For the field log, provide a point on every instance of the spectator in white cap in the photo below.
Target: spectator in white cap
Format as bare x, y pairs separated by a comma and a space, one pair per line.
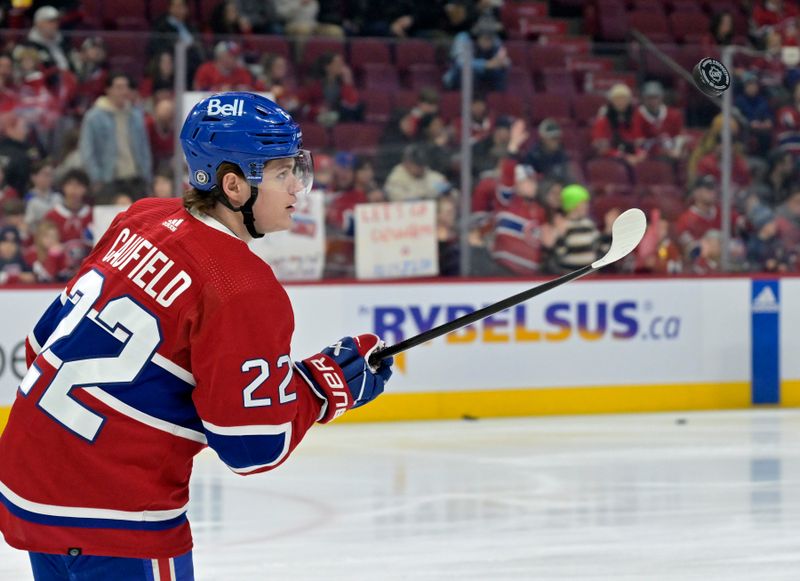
45, 36
658, 128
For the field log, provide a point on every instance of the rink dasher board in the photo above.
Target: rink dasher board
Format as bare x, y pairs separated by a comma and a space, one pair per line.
599, 345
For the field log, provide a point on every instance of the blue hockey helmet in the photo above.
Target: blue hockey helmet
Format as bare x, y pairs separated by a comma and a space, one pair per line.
245, 129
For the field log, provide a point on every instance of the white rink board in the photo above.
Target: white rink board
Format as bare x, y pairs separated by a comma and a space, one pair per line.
708, 320
790, 321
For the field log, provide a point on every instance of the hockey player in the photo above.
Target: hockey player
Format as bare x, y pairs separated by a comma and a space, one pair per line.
173, 336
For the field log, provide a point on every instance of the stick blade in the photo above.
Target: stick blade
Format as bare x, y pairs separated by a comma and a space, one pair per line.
626, 233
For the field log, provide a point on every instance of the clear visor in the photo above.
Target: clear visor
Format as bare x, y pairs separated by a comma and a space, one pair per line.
304, 171
301, 178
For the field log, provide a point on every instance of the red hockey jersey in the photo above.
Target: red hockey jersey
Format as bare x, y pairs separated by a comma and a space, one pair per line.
171, 337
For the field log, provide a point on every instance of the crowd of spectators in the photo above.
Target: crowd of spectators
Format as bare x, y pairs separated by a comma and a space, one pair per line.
76, 131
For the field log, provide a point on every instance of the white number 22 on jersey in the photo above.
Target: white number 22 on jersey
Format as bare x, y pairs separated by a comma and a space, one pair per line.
128, 322
263, 366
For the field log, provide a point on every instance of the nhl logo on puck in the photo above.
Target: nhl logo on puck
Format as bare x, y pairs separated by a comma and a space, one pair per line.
711, 77
201, 177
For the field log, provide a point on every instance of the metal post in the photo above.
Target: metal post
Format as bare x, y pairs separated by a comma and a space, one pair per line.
181, 48
466, 155
726, 164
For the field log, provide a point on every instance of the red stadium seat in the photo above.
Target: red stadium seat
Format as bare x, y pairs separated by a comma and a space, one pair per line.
414, 52
506, 104
381, 77
518, 52
450, 104
124, 15
545, 105
257, 45
542, 56
605, 170
315, 136
653, 171
365, 51
688, 23
424, 75
316, 47
653, 25
586, 107
613, 26
359, 138
378, 106
559, 81
519, 82
515, 15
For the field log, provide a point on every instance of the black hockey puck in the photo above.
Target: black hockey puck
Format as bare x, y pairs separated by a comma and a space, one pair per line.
711, 77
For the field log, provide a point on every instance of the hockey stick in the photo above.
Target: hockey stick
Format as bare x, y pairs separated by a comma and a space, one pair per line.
626, 233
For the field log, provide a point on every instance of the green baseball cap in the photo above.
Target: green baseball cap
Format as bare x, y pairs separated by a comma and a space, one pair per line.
572, 195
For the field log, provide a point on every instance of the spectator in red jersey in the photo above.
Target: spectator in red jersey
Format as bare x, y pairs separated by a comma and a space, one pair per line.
703, 215
770, 15
658, 128
710, 164
323, 173
8, 86
612, 132
161, 131
13, 268
225, 73
331, 96
788, 123
519, 226
481, 121
91, 69
46, 258
159, 77
340, 212
658, 253
35, 100
73, 216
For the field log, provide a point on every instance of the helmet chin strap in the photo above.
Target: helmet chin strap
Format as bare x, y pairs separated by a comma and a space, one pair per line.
246, 209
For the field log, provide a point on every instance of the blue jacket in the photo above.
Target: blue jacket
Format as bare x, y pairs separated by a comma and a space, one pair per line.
98, 142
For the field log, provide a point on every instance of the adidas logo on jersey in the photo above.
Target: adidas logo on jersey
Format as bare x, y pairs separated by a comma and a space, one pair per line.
235, 109
172, 224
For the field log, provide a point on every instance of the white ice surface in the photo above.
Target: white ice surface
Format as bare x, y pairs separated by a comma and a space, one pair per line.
634, 497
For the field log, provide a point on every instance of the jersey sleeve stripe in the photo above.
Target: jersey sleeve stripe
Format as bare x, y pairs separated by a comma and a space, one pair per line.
144, 418
36, 512
248, 448
174, 369
34, 343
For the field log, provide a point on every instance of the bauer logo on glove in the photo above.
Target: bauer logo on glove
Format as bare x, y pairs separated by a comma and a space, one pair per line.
341, 377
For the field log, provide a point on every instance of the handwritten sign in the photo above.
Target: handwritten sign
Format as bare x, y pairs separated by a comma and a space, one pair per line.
299, 253
396, 240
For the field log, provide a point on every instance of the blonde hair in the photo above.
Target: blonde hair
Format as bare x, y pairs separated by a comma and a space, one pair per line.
202, 201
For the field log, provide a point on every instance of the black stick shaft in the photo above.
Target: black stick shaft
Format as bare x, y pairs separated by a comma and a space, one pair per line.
445, 328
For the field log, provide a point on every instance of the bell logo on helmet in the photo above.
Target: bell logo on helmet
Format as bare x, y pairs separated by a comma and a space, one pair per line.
235, 109
201, 177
